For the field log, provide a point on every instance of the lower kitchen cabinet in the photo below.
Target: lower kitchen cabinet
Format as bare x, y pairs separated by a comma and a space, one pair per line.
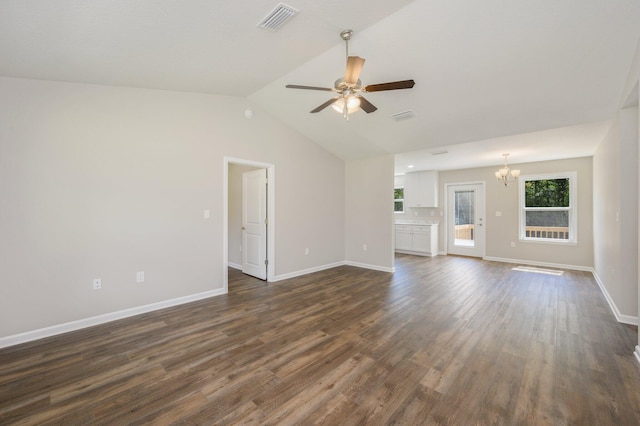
417, 239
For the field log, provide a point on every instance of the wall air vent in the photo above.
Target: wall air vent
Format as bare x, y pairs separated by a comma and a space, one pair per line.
404, 115
278, 17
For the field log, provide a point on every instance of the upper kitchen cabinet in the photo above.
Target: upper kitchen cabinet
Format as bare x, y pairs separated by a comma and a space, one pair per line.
421, 189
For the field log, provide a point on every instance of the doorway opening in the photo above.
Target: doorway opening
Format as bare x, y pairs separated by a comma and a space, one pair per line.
234, 237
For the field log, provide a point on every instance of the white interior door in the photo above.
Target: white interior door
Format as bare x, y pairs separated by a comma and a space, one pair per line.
254, 223
465, 219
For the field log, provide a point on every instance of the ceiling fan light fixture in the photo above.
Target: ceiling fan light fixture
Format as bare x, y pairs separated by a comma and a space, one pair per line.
352, 102
338, 106
349, 87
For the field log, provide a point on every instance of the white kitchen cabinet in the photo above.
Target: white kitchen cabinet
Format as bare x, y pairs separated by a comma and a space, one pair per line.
404, 237
421, 189
417, 239
421, 239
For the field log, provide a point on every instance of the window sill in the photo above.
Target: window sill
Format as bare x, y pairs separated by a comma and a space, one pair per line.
549, 241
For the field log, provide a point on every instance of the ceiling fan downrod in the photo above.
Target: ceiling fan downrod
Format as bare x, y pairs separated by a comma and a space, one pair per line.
346, 36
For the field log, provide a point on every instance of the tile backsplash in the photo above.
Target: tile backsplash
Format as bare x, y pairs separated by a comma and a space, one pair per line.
419, 214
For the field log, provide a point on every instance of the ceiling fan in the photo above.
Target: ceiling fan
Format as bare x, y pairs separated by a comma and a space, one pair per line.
349, 88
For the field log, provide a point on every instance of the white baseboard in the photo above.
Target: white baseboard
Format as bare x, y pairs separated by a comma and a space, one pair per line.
234, 266
101, 319
329, 266
373, 267
306, 271
637, 353
625, 319
545, 264
416, 253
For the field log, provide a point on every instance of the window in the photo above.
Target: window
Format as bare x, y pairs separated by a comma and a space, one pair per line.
548, 208
398, 200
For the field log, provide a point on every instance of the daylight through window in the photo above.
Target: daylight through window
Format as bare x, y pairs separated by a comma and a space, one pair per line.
398, 198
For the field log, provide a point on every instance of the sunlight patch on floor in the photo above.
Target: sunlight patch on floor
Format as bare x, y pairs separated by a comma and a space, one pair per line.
537, 270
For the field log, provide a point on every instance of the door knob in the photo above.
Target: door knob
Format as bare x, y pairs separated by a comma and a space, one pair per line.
243, 228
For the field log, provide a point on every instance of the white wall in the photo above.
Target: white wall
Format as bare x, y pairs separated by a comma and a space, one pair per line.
502, 230
606, 230
369, 212
616, 199
100, 181
616, 213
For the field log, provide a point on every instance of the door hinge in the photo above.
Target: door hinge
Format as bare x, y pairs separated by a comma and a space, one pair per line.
266, 262
266, 221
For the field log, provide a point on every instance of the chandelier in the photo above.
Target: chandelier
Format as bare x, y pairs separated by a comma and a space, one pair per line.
505, 175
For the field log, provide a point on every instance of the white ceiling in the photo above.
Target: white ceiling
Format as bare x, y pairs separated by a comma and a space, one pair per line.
536, 79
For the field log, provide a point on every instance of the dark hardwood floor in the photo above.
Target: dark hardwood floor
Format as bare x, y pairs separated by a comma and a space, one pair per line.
445, 340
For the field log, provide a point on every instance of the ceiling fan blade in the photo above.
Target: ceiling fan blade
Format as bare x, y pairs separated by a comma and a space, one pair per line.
324, 105
354, 67
367, 106
404, 84
296, 86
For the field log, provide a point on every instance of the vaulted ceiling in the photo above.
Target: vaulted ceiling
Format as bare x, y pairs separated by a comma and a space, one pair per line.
537, 79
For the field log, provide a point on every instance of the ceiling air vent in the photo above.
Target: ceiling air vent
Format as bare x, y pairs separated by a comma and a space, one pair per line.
404, 115
278, 17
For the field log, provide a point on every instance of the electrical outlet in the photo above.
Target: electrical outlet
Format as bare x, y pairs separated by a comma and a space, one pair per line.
97, 283
364, 247
513, 243
306, 251
140, 277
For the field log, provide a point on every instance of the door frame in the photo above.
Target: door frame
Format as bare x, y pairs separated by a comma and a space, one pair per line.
482, 183
271, 214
